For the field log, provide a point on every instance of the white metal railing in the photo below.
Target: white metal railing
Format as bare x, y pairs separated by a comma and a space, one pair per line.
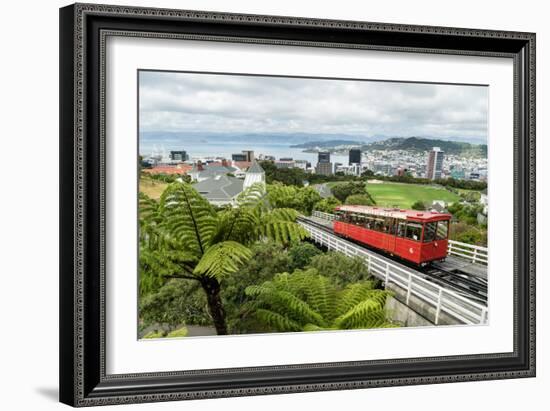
324, 216
440, 299
474, 253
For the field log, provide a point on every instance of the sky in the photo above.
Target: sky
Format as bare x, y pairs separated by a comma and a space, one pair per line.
191, 102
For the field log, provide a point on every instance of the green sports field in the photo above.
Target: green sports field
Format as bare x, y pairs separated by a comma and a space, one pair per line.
404, 195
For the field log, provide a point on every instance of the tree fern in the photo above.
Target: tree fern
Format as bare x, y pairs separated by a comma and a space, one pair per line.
311, 302
182, 236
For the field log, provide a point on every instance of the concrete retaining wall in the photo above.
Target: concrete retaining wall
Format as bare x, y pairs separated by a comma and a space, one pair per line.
417, 312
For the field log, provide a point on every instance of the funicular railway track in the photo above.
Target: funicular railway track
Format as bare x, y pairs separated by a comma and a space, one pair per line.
459, 281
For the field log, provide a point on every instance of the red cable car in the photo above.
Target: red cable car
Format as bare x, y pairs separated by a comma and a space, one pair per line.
415, 236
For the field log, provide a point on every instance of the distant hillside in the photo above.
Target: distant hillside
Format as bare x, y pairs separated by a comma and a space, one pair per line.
328, 143
175, 139
424, 144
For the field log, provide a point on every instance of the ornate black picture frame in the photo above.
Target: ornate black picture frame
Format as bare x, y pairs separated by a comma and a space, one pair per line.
83, 30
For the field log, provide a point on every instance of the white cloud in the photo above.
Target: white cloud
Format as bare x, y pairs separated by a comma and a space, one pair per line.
235, 103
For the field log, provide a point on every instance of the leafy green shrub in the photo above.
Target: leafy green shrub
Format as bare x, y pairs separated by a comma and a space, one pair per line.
301, 254
327, 205
302, 199
268, 258
344, 190
178, 302
465, 213
470, 234
340, 268
418, 205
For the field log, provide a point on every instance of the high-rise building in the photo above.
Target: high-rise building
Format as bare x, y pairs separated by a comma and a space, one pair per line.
180, 155
324, 156
435, 164
354, 156
324, 166
249, 155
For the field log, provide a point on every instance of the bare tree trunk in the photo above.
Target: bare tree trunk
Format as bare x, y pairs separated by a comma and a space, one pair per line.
211, 287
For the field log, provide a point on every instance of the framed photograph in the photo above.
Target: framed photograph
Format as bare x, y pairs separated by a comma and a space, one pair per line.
262, 204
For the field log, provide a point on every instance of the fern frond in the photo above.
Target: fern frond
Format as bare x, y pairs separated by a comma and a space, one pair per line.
188, 216
149, 209
283, 214
285, 302
280, 231
276, 321
236, 224
315, 303
321, 295
222, 258
254, 196
366, 314
354, 293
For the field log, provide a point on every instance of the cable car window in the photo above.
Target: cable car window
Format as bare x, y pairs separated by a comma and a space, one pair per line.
378, 224
429, 232
414, 231
388, 225
401, 228
442, 230
369, 223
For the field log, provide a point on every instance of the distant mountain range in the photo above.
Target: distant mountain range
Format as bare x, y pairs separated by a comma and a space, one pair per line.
168, 137
328, 143
296, 140
417, 144
312, 142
